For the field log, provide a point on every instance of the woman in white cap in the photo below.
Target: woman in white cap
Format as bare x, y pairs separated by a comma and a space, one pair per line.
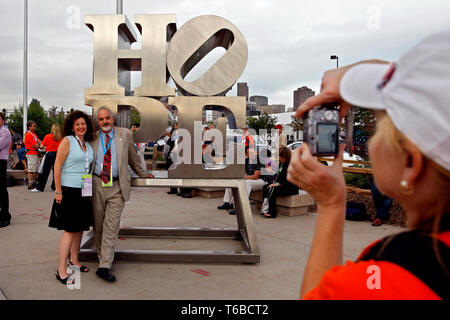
411, 163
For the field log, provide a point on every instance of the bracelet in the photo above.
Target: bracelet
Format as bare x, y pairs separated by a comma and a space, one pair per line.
58, 192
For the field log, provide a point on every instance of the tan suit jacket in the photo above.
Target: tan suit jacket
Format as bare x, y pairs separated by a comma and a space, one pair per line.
126, 155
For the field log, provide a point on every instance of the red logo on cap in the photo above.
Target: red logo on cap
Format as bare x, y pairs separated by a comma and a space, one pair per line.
387, 76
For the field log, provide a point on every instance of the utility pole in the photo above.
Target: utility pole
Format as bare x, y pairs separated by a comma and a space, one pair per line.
25, 68
123, 113
119, 6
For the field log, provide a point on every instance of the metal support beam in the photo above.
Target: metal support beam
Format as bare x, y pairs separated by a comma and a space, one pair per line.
245, 232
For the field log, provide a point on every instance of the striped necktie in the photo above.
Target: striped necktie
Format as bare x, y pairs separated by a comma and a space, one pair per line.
105, 175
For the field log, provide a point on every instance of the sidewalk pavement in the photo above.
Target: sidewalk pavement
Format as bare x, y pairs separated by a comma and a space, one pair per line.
29, 252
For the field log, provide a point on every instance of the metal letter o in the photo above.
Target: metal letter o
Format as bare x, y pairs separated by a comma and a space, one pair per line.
193, 41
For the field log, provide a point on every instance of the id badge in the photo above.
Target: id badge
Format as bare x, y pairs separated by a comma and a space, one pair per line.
109, 184
86, 185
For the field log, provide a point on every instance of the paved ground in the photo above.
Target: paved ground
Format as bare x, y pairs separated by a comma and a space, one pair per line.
29, 252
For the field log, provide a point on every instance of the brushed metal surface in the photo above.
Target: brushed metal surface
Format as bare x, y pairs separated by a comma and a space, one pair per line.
176, 256
245, 233
113, 61
193, 41
190, 110
114, 58
157, 30
180, 232
112, 33
194, 183
154, 115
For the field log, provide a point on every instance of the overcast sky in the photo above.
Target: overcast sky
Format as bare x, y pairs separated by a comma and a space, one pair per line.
289, 42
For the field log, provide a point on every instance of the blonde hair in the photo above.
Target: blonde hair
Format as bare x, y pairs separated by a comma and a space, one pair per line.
400, 143
56, 132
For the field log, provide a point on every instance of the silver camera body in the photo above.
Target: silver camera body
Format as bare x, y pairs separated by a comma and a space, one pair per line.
321, 130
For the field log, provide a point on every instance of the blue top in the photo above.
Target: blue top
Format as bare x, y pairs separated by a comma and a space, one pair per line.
21, 153
74, 166
101, 154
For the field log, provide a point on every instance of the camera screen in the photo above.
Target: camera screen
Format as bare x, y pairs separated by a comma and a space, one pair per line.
327, 136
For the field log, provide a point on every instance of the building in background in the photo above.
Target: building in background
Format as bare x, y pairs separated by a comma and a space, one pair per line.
242, 90
260, 100
251, 109
272, 108
255, 105
300, 95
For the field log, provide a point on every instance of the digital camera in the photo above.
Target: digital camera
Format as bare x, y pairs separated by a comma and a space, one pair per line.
321, 130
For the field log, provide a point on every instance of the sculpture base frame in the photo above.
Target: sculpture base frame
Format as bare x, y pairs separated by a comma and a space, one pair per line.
245, 232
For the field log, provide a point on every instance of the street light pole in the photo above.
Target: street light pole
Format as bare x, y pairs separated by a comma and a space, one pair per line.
123, 112
25, 68
119, 6
333, 57
349, 119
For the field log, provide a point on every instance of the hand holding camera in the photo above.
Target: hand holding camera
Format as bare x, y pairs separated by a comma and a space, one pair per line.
321, 130
325, 184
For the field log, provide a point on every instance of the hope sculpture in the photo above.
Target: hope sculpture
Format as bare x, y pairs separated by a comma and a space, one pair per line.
114, 60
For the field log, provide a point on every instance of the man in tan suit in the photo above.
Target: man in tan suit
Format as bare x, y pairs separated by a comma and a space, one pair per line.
113, 152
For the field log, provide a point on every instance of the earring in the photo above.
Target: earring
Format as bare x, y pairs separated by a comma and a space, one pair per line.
406, 188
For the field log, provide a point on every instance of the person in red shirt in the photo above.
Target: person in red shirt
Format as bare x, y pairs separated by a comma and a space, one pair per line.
50, 143
411, 164
247, 139
32, 144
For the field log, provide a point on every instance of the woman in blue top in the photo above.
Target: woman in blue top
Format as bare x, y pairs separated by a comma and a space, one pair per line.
72, 212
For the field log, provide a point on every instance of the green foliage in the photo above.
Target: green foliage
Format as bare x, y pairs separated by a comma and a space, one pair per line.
363, 129
209, 123
59, 118
44, 120
296, 124
357, 180
362, 181
15, 119
263, 121
37, 114
135, 116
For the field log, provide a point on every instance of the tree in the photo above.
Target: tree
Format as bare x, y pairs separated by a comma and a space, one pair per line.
37, 114
15, 119
135, 116
364, 128
59, 118
263, 121
296, 124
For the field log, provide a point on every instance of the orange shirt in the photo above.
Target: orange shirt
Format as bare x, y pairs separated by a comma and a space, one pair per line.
30, 140
51, 145
374, 280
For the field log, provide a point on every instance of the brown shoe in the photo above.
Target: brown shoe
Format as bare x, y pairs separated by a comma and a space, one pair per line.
377, 222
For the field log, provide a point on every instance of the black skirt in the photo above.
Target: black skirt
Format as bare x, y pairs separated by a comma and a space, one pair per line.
74, 213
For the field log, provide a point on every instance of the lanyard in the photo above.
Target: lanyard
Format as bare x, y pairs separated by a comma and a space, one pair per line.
86, 155
34, 136
103, 143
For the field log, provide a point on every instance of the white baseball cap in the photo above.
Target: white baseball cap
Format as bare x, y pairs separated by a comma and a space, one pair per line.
415, 93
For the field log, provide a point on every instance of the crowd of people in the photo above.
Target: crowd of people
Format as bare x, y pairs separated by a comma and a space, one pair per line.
409, 154
23, 154
91, 181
